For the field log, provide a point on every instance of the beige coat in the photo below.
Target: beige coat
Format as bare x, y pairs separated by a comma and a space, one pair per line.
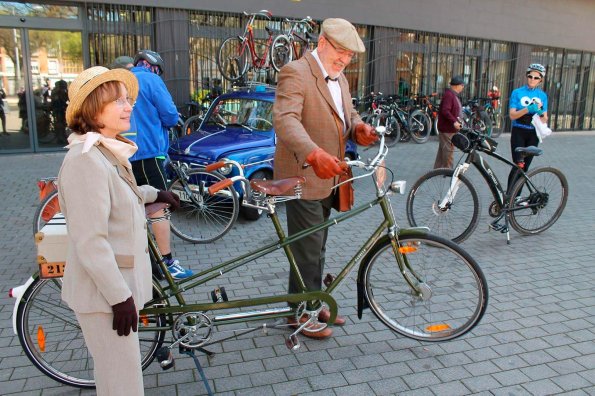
304, 118
107, 259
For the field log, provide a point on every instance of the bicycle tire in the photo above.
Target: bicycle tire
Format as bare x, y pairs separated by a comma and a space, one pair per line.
192, 124
454, 289
458, 221
487, 121
550, 200
394, 132
420, 126
281, 52
49, 207
207, 218
232, 59
497, 124
60, 353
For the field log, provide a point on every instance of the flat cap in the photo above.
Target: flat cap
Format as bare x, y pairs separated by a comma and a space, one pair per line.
457, 80
342, 33
121, 62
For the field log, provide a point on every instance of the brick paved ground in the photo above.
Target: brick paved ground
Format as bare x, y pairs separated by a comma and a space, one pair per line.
536, 338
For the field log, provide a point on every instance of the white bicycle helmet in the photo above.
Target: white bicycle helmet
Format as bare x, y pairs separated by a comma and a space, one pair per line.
536, 67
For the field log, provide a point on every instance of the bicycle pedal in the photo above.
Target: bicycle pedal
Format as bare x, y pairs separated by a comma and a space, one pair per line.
165, 358
292, 342
497, 227
219, 295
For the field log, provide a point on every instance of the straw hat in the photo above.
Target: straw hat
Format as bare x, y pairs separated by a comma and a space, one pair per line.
90, 79
343, 33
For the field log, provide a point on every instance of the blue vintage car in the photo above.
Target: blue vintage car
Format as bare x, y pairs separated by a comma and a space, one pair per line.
237, 126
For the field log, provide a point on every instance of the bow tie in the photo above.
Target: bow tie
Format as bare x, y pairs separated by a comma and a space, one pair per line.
328, 78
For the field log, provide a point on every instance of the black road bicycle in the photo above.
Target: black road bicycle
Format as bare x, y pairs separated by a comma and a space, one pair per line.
446, 201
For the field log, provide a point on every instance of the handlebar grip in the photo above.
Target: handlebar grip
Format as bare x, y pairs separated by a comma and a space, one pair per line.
214, 166
220, 185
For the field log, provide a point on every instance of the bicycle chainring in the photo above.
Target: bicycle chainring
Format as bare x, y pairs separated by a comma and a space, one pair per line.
192, 329
494, 210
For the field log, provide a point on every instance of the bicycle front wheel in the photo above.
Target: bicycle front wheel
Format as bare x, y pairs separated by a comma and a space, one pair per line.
450, 295
538, 205
52, 338
393, 129
420, 126
45, 211
281, 52
232, 59
451, 212
203, 218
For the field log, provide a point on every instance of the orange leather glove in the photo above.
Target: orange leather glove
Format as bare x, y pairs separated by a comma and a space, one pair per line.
324, 165
365, 135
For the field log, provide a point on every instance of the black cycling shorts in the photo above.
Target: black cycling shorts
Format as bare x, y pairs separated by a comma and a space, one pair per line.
150, 171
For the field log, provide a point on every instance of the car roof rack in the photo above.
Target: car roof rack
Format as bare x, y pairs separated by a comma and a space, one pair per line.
256, 87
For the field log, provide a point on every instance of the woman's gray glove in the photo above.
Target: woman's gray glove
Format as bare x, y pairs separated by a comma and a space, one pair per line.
125, 317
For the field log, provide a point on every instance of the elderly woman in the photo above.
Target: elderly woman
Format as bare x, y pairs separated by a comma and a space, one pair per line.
108, 272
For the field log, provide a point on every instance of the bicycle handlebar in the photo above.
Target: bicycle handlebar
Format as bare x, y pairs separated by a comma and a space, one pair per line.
220, 185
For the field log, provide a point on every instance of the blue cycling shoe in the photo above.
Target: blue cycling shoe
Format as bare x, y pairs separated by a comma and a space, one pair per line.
176, 270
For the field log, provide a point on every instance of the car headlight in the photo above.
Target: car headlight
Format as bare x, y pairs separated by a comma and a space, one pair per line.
226, 170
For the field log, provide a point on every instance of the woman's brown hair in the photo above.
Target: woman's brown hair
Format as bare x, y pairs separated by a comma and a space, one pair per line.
86, 119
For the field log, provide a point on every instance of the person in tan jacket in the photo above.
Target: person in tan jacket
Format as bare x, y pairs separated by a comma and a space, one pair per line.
107, 278
313, 118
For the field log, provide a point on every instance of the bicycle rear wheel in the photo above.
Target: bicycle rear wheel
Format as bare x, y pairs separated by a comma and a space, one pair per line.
232, 59
420, 126
52, 338
453, 292
203, 218
191, 124
497, 124
45, 211
534, 210
281, 52
453, 217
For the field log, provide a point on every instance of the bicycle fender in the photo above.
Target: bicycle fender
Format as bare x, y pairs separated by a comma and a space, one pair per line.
414, 231
18, 293
362, 300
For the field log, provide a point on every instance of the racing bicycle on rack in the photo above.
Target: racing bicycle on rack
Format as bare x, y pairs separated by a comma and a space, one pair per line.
237, 53
446, 201
419, 285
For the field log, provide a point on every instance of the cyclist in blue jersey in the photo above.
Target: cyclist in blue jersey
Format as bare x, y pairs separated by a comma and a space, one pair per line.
524, 103
153, 114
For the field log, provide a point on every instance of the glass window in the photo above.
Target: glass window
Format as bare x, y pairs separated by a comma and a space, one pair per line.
256, 115
38, 10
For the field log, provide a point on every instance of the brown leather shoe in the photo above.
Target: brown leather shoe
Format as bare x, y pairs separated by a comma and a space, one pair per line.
317, 335
325, 315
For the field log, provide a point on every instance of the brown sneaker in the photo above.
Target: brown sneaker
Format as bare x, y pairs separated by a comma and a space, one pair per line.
325, 315
317, 335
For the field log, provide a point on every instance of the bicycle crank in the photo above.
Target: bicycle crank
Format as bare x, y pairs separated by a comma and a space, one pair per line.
192, 330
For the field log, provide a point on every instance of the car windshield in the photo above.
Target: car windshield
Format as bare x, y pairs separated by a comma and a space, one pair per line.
255, 115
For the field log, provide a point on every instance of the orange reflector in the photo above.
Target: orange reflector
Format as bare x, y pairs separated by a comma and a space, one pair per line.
41, 339
437, 327
144, 319
407, 249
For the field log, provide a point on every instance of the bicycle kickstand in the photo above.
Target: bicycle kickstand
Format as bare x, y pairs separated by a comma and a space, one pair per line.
205, 381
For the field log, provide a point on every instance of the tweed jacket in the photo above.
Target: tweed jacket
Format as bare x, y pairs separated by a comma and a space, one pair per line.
304, 116
107, 259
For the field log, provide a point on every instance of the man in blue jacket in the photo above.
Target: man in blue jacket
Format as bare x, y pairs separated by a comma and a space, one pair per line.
154, 112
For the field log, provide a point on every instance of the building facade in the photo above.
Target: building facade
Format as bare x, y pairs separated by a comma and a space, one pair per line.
413, 47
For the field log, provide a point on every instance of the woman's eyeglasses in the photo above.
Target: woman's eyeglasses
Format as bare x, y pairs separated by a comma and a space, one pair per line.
530, 77
122, 102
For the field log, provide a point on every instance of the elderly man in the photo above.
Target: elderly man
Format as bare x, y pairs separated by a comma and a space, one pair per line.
313, 118
448, 122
